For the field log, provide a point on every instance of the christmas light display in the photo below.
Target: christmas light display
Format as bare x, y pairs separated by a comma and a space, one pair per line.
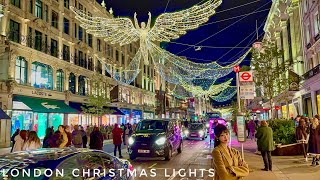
167, 26
225, 95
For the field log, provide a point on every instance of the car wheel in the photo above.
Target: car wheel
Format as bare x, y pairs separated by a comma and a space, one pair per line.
180, 148
132, 157
168, 154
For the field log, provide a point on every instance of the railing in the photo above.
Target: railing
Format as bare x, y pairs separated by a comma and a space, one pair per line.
314, 71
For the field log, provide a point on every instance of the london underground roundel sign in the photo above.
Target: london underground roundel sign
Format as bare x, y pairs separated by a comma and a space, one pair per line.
246, 76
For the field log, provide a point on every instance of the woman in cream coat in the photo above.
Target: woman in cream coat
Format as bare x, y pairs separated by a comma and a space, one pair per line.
227, 162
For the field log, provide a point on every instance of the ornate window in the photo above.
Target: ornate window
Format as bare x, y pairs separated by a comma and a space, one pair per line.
60, 80
72, 83
82, 85
41, 76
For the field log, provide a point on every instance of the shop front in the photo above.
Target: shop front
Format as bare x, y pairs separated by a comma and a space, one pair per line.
136, 116
148, 115
37, 114
127, 116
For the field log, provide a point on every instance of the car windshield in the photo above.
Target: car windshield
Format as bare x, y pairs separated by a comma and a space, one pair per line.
195, 126
151, 126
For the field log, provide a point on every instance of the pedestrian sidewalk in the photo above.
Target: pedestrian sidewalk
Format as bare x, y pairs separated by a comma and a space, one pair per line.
7, 150
284, 167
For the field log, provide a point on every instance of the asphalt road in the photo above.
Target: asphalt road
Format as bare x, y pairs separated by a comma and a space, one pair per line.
193, 163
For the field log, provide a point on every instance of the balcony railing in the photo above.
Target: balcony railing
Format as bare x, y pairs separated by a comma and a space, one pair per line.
314, 71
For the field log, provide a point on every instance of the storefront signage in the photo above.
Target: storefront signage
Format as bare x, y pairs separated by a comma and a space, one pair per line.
40, 93
241, 129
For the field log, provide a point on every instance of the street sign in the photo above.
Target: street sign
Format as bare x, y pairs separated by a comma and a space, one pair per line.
241, 129
236, 68
247, 91
246, 76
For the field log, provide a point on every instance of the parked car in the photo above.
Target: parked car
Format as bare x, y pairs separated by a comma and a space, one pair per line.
197, 130
63, 160
156, 138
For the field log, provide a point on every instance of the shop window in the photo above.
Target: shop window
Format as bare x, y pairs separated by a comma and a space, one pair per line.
38, 9
82, 85
72, 83
21, 70
14, 34
55, 120
22, 120
60, 80
15, 3
41, 76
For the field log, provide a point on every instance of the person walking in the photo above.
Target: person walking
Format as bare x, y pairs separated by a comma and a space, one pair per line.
16, 133
302, 135
252, 129
265, 144
227, 161
33, 142
48, 136
20, 139
63, 139
77, 136
96, 139
314, 141
116, 133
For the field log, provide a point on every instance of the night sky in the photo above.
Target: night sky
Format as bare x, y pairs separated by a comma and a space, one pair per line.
240, 14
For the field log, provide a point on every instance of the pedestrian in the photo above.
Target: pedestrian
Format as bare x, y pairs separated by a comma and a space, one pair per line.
96, 139
47, 137
124, 128
252, 129
126, 134
55, 140
77, 136
20, 139
84, 137
265, 144
227, 161
16, 133
33, 142
116, 133
69, 135
314, 141
63, 139
297, 119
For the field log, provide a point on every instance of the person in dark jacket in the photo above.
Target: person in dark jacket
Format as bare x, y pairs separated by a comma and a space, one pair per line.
84, 137
117, 140
68, 132
314, 140
265, 144
13, 136
46, 140
96, 139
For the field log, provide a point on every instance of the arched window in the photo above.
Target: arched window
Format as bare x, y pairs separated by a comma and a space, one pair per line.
41, 76
21, 75
72, 83
82, 85
60, 80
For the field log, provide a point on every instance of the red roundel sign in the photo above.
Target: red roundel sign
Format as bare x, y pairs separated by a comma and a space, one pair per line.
246, 76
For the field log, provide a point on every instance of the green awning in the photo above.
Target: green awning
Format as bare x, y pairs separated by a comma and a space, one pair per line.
45, 105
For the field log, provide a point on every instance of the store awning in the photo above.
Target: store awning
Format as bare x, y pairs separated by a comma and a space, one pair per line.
3, 115
45, 105
77, 106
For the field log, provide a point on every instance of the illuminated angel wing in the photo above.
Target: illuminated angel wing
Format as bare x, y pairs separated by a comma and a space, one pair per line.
114, 30
171, 25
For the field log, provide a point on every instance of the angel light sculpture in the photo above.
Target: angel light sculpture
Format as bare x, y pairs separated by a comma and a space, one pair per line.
167, 26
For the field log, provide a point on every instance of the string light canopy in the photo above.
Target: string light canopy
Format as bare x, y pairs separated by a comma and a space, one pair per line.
226, 94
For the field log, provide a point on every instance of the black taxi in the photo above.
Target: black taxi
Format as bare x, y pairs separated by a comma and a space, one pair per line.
156, 138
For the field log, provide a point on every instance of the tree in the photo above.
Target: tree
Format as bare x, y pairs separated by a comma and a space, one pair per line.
98, 101
270, 71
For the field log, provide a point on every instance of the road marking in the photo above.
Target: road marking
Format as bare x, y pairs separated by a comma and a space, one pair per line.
152, 165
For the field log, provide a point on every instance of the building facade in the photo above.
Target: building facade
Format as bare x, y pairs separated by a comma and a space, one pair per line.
49, 65
284, 28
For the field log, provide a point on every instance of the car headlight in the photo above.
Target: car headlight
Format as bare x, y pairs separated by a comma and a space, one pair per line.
186, 132
131, 140
201, 132
161, 141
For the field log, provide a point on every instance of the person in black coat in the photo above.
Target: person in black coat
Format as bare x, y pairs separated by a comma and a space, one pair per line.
314, 140
96, 139
13, 136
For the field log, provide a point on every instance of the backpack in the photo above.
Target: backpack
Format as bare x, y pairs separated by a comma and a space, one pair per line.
77, 138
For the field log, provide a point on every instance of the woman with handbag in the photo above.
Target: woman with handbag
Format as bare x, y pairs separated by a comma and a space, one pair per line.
227, 161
